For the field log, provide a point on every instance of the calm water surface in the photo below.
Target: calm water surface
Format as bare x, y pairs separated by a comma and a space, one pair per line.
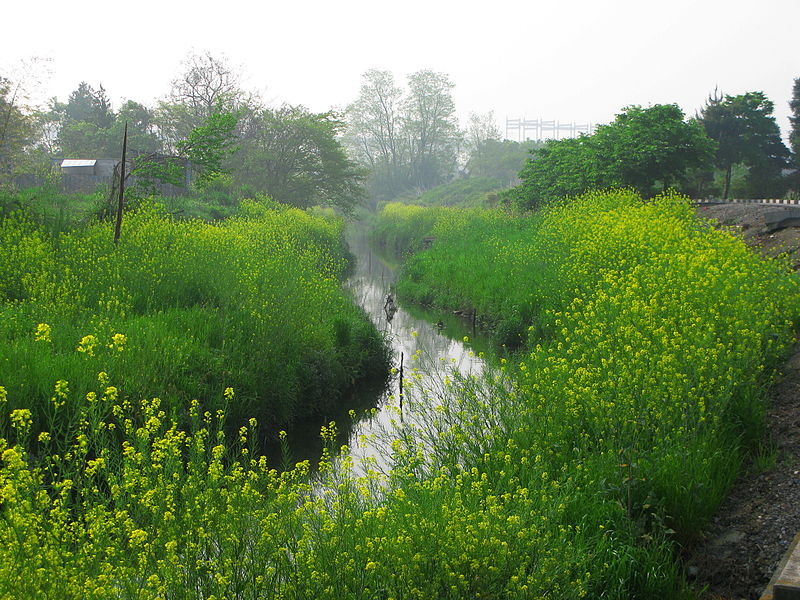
429, 345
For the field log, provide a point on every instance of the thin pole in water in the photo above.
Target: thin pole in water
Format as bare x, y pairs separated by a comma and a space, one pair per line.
401, 386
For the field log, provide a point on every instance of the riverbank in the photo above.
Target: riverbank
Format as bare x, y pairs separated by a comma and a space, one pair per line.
575, 472
753, 528
471, 255
184, 310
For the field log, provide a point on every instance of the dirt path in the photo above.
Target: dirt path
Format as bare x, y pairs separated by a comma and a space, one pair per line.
759, 519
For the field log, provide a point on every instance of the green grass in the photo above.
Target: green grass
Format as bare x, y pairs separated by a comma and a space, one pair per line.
253, 303
462, 192
575, 470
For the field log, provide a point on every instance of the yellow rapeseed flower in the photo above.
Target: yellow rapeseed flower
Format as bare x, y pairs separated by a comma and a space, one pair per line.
43, 331
118, 341
87, 344
21, 420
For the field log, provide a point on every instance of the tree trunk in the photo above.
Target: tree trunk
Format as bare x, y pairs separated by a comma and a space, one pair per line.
727, 187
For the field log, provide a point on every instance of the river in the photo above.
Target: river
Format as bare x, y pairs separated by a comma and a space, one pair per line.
426, 344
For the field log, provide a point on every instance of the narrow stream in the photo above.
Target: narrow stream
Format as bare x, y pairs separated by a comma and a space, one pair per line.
427, 343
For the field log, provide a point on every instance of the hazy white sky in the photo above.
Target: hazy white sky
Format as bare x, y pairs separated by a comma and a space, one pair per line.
570, 60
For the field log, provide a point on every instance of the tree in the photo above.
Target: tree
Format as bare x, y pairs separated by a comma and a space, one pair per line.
746, 132
557, 169
649, 149
295, 156
408, 140
502, 160
143, 135
432, 127
87, 105
205, 85
375, 133
15, 125
209, 144
481, 128
19, 121
88, 127
794, 134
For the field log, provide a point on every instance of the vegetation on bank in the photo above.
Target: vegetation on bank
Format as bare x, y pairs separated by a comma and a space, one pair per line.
253, 303
572, 473
468, 191
58, 211
648, 338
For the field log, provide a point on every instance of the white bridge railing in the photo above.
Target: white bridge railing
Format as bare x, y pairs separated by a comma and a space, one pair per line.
783, 201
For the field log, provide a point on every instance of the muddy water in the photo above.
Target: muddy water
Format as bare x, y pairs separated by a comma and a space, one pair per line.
426, 344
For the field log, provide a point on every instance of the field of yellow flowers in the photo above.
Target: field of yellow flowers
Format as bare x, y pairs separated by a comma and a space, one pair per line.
182, 310
648, 339
573, 470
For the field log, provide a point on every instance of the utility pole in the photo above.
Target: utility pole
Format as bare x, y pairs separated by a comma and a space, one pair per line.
121, 185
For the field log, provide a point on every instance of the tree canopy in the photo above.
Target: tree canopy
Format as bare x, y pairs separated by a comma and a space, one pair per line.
210, 143
295, 156
15, 125
794, 133
502, 160
88, 127
648, 149
746, 133
409, 139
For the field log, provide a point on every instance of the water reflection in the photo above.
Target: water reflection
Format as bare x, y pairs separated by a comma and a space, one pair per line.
427, 344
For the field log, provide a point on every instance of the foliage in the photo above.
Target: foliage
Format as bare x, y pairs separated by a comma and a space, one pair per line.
88, 127
151, 170
209, 144
206, 84
464, 191
253, 302
409, 141
295, 156
400, 228
564, 476
481, 128
633, 318
648, 149
16, 128
500, 159
794, 134
746, 132
431, 124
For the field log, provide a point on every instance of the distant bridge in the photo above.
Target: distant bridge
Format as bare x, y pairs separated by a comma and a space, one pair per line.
539, 129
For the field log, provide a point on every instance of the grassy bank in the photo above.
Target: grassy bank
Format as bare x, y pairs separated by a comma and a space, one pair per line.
648, 338
183, 310
574, 473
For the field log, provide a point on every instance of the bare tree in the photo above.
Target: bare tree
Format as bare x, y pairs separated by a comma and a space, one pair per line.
481, 128
205, 84
375, 120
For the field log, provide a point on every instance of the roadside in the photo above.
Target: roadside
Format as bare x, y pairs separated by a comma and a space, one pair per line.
755, 525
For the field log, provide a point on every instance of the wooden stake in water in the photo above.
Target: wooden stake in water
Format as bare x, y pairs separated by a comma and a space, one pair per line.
401, 386
118, 226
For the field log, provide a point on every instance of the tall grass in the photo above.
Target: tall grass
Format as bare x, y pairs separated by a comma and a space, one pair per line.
252, 303
573, 473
